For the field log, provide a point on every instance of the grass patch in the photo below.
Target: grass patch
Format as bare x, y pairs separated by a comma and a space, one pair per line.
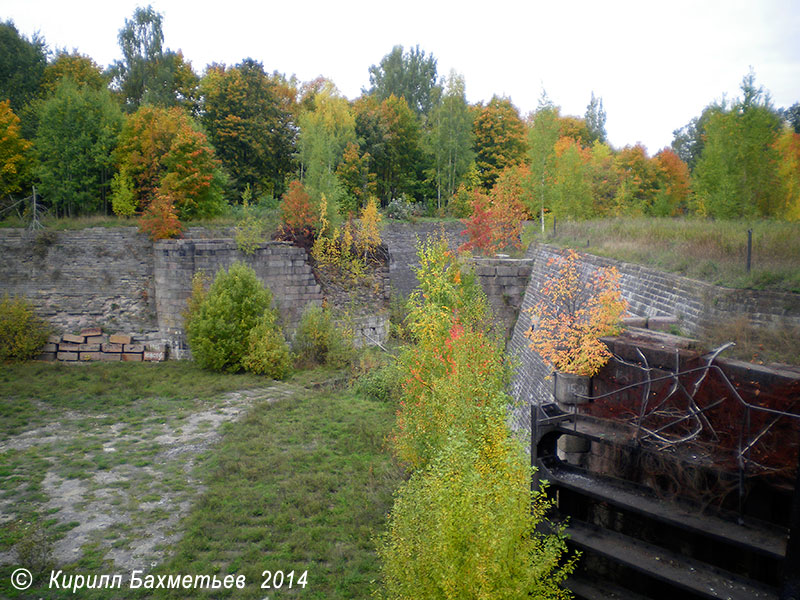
28, 391
267, 214
302, 484
712, 251
301, 481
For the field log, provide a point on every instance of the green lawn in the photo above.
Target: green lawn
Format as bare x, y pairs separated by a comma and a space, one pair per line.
299, 480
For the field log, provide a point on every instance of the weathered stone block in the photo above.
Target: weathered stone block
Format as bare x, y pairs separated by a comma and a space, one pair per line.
68, 347
75, 339
95, 339
118, 338
130, 357
110, 356
67, 356
47, 356
154, 356
54, 339
89, 348
89, 356
91, 332
111, 347
661, 323
50, 348
133, 348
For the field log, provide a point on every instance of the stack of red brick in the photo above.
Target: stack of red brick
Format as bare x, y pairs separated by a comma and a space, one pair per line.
93, 344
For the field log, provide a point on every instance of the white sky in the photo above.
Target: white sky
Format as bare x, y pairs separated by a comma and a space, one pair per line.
654, 64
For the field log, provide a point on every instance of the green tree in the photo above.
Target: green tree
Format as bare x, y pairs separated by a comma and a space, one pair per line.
15, 154
542, 137
354, 176
688, 141
149, 74
78, 67
499, 139
596, 120
400, 166
77, 133
572, 183
22, 64
737, 174
371, 132
325, 132
605, 178
250, 120
451, 138
164, 152
410, 75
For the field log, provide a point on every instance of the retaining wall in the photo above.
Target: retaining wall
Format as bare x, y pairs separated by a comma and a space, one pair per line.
78, 279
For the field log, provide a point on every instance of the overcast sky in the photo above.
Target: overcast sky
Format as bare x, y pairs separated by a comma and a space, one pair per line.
654, 64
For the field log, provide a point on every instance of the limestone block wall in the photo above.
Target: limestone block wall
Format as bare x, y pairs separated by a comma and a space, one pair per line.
362, 306
283, 268
401, 239
504, 281
94, 277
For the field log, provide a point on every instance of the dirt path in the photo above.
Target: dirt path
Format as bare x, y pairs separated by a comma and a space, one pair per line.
120, 488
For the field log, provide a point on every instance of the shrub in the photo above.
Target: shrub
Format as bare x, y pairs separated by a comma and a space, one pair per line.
298, 218
35, 548
466, 524
267, 351
381, 384
249, 228
446, 288
466, 527
399, 209
319, 341
160, 219
22, 333
218, 329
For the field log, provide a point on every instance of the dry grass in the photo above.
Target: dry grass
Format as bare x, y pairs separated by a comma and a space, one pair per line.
713, 251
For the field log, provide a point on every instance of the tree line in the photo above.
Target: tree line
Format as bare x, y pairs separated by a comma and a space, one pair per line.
150, 136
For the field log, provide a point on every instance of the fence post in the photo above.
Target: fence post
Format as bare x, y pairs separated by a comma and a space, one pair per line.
749, 249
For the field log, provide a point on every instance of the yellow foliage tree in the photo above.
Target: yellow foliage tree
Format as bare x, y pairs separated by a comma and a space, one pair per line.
574, 314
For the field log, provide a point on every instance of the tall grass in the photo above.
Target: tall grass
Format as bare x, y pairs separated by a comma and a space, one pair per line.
712, 251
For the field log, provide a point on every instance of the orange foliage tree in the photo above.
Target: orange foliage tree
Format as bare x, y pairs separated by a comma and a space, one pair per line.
298, 217
573, 314
164, 152
496, 220
672, 199
160, 219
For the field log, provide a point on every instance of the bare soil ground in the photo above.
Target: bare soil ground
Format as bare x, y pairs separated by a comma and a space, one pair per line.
117, 485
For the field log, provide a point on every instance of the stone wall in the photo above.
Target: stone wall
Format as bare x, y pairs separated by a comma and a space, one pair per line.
504, 281
283, 268
95, 277
401, 239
